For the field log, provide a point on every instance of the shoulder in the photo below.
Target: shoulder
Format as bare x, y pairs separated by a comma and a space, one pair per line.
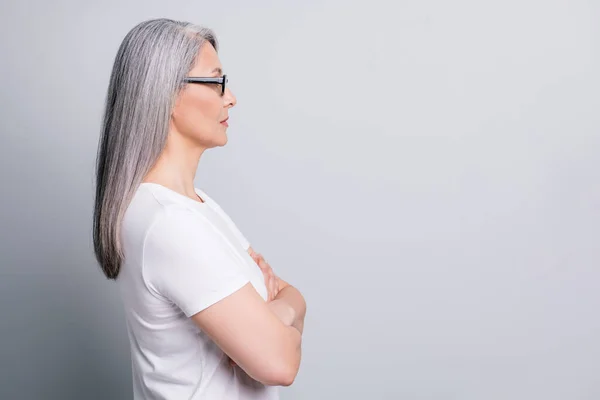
179, 226
148, 208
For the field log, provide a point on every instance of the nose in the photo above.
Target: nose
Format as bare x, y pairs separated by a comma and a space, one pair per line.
230, 99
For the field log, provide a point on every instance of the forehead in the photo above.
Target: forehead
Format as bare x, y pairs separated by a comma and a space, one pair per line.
207, 60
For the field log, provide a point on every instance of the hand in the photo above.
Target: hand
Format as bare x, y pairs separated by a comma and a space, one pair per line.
271, 280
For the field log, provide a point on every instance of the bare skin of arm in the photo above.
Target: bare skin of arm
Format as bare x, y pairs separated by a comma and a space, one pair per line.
263, 338
251, 333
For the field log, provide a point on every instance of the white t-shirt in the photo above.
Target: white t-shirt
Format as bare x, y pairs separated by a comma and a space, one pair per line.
182, 256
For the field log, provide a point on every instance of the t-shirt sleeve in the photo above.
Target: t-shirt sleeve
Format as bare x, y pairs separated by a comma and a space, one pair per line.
188, 261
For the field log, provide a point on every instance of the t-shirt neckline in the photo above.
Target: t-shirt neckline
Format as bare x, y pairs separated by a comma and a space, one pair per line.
199, 192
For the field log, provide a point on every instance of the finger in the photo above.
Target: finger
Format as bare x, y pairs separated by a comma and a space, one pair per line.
270, 289
274, 286
272, 278
263, 265
269, 285
271, 273
273, 291
266, 266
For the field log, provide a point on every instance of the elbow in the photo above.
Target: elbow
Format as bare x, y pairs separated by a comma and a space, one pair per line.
287, 374
289, 378
282, 370
273, 372
279, 365
281, 376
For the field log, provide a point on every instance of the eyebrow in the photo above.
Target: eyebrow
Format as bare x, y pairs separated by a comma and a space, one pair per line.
218, 71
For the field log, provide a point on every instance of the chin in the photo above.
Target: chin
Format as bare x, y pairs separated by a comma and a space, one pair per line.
216, 139
222, 140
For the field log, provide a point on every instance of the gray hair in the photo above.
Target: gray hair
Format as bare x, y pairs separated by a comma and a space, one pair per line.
146, 78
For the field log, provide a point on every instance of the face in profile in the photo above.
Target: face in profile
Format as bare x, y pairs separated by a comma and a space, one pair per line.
201, 110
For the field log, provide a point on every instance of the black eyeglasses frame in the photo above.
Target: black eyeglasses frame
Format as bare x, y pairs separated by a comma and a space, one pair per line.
221, 80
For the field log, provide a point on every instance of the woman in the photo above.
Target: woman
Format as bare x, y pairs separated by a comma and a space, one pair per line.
206, 316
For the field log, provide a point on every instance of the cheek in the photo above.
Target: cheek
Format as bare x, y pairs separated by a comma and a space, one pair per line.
196, 116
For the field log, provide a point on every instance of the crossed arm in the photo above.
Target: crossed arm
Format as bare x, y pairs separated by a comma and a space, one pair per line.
262, 337
283, 293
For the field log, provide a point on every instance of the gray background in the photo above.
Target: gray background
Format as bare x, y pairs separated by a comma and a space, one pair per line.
426, 172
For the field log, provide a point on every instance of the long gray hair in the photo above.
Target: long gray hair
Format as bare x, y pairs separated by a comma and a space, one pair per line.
146, 78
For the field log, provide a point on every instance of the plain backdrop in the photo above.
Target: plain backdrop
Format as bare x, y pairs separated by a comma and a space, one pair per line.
426, 172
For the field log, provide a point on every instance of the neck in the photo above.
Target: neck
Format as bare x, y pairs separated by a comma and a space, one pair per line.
176, 167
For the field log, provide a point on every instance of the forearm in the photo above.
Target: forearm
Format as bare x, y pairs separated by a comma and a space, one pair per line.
292, 297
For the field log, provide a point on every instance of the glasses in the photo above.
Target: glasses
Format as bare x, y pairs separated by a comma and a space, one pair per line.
221, 80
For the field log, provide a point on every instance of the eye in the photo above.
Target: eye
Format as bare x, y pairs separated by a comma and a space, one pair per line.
218, 87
